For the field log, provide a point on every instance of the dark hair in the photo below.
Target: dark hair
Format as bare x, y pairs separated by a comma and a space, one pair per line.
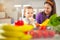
53, 6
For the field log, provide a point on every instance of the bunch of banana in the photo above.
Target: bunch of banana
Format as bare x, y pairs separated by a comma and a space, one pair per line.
12, 32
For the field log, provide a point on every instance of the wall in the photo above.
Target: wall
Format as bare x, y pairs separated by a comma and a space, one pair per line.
9, 4
58, 6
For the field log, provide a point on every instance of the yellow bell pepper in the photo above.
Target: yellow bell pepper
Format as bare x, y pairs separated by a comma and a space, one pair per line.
45, 23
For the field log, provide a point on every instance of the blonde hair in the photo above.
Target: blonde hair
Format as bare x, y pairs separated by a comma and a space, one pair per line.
28, 7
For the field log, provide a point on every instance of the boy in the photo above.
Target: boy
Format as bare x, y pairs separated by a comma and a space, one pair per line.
28, 13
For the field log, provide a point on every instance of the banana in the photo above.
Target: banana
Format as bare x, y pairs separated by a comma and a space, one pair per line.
10, 38
16, 28
27, 37
12, 34
27, 27
11, 28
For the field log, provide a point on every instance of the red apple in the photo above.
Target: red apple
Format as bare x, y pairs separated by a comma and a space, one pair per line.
19, 23
51, 33
33, 34
45, 34
39, 33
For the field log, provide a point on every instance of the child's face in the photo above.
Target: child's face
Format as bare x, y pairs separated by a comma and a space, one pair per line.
29, 13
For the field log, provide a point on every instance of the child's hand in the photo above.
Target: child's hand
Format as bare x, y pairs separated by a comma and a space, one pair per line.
31, 19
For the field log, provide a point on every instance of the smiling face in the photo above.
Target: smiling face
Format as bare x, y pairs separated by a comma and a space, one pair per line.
47, 9
28, 12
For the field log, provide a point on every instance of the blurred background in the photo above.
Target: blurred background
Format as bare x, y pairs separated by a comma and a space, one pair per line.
13, 9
